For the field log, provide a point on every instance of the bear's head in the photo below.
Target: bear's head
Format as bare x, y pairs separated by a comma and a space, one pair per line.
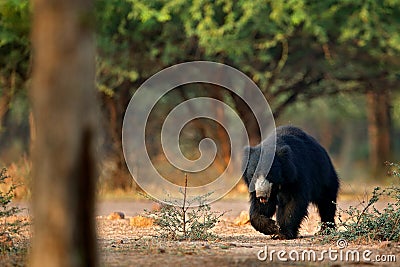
262, 180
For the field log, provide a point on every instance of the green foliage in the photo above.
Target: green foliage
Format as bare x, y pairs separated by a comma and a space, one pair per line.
369, 223
294, 50
14, 23
14, 39
178, 221
136, 39
14, 68
8, 226
274, 42
193, 224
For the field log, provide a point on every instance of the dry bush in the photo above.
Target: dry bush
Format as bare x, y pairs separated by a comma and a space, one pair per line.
21, 175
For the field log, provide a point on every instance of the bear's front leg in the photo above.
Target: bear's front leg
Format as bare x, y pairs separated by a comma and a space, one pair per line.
260, 216
264, 225
290, 214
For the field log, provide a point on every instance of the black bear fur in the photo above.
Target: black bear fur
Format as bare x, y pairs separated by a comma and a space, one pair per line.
301, 173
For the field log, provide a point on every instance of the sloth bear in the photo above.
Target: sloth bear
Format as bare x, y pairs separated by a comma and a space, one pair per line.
301, 172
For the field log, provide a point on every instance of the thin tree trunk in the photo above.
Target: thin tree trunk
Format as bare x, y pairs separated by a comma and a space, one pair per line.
5, 100
249, 120
345, 154
64, 102
115, 110
379, 129
220, 133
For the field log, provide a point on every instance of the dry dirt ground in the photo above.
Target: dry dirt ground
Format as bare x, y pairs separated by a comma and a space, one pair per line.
123, 244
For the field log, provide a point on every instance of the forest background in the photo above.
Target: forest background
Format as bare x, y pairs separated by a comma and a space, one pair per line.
329, 67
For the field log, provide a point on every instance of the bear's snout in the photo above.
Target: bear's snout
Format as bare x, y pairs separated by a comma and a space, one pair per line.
263, 189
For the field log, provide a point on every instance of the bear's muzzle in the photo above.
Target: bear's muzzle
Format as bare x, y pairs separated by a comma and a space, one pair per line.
263, 189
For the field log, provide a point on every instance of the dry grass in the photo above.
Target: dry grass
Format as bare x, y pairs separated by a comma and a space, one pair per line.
20, 174
141, 221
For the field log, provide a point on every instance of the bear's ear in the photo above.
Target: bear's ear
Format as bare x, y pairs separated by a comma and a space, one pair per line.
286, 158
245, 163
248, 152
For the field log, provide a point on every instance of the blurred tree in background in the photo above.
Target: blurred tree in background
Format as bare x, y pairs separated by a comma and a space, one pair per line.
296, 51
14, 72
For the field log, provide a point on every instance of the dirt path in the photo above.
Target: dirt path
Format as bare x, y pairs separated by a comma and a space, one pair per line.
125, 245
132, 208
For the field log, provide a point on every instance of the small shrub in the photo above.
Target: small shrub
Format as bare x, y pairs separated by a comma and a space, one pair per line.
20, 171
180, 222
369, 223
8, 226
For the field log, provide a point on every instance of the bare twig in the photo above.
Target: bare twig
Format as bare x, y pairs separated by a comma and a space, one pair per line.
184, 209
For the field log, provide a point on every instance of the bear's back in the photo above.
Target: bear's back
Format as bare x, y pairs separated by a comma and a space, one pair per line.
287, 130
310, 158
295, 137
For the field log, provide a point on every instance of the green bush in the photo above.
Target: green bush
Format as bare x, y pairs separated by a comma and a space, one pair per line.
178, 221
369, 223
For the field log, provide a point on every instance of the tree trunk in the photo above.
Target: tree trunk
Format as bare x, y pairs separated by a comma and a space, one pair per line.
115, 107
220, 134
64, 109
379, 129
249, 120
5, 100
